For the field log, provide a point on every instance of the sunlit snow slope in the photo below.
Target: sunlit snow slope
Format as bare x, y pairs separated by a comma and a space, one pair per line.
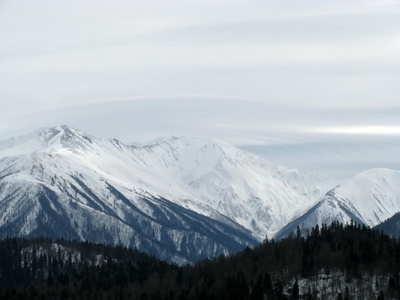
260, 196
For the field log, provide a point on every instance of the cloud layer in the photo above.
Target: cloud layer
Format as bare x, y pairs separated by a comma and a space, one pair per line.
249, 72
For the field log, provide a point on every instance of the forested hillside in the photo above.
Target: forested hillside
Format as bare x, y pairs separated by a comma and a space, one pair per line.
390, 226
331, 262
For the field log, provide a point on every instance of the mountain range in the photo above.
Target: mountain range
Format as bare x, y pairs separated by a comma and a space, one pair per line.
181, 199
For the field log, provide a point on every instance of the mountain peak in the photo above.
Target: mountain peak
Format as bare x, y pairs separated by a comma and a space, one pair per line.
71, 137
62, 136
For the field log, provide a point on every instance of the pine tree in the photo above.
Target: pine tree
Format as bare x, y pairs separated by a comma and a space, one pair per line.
295, 291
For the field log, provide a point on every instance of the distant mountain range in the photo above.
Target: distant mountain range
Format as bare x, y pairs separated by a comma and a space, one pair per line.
180, 199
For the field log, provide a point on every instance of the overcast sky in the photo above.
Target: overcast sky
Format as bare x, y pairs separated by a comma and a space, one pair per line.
305, 83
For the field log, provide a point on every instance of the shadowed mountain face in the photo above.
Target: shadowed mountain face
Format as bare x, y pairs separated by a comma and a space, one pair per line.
155, 225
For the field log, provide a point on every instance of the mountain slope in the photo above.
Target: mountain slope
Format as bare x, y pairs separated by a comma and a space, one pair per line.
368, 198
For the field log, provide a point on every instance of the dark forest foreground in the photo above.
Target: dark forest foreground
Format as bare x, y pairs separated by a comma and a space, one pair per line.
331, 262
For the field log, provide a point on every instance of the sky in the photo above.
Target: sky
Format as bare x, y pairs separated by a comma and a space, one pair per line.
308, 84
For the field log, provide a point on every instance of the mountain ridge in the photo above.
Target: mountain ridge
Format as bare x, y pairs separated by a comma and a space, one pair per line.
186, 198
200, 174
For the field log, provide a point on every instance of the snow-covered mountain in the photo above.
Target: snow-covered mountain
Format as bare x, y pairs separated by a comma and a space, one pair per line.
368, 198
63, 183
181, 198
